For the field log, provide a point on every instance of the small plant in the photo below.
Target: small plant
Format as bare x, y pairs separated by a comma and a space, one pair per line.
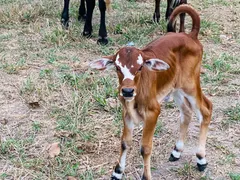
28, 86
233, 113
210, 29
36, 126
186, 170
88, 175
158, 128
234, 176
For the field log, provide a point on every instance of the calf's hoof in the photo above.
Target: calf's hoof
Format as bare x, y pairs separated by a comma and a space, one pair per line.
172, 158
201, 167
143, 177
102, 41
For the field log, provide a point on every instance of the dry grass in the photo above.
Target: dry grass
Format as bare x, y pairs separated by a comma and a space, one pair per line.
47, 93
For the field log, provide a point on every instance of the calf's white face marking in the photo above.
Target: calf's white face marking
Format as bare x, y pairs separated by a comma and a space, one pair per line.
140, 59
125, 71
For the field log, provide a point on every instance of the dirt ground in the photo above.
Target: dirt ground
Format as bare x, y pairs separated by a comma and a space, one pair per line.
48, 94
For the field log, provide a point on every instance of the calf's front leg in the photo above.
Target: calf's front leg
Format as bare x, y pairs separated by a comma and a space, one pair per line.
126, 141
146, 147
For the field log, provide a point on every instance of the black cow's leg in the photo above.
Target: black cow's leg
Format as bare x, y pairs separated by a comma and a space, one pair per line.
82, 11
182, 17
65, 14
156, 15
168, 11
102, 30
88, 24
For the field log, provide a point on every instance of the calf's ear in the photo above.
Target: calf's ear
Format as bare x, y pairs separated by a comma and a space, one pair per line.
102, 63
156, 65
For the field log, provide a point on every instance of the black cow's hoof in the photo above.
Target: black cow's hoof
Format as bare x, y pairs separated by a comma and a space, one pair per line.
172, 158
87, 34
102, 41
65, 24
156, 18
202, 167
114, 178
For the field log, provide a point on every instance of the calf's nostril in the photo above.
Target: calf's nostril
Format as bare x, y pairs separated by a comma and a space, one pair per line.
127, 92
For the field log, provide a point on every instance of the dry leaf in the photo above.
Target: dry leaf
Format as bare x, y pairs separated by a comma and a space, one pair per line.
71, 178
4, 121
112, 102
34, 105
203, 70
54, 150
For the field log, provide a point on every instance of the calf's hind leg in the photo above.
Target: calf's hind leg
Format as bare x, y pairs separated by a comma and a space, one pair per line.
206, 111
186, 116
203, 109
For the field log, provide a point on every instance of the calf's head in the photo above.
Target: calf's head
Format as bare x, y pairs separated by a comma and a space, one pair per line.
129, 63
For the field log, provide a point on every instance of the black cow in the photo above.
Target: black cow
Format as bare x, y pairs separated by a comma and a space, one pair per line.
85, 13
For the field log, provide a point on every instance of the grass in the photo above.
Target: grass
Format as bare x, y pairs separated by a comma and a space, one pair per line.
233, 113
77, 107
210, 30
234, 176
220, 70
207, 3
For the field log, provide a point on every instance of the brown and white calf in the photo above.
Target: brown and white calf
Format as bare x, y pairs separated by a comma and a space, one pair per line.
169, 64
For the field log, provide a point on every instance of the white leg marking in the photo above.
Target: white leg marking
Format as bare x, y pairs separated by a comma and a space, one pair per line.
179, 100
179, 145
202, 161
195, 108
122, 162
129, 123
176, 154
119, 176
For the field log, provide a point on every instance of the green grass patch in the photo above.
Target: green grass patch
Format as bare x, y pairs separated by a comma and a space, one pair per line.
220, 68
233, 113
234, 176
210, 29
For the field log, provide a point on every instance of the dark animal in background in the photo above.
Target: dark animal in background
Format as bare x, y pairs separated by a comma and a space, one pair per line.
171, 63
171, 5
85, 13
